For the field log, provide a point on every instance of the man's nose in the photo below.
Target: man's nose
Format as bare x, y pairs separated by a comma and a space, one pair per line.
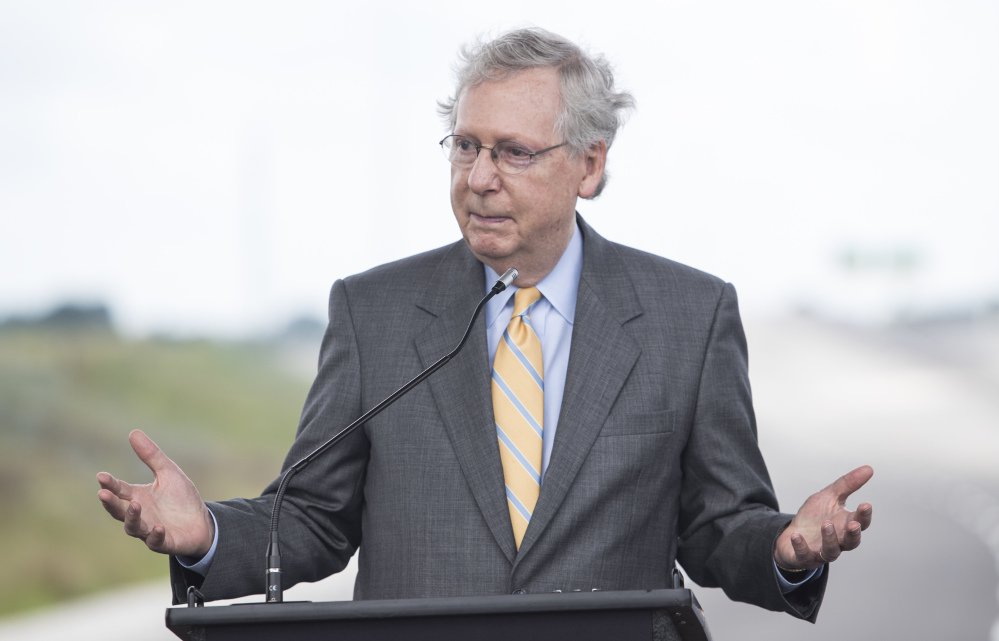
483, 177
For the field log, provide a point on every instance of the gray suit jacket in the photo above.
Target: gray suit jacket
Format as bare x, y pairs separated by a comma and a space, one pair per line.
655, 457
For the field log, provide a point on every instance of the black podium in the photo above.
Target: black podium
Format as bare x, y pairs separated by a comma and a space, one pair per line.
638, 615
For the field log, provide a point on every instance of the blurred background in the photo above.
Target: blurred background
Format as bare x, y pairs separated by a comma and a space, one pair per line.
181, 182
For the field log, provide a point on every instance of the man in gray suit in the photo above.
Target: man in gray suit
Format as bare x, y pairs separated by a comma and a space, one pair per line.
645, 452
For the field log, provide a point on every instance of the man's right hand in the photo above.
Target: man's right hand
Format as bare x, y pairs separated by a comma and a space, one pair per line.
167, 514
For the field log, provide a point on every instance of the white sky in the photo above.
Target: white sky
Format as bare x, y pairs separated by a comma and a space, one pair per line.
212, 167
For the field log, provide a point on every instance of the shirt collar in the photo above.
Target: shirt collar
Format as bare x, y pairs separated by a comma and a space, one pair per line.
559, 287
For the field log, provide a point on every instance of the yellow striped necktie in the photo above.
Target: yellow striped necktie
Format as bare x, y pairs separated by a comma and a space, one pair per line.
518, 407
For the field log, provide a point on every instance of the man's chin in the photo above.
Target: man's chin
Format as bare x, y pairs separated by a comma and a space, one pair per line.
489, 251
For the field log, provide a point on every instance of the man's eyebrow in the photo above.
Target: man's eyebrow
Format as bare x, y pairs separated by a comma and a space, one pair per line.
510, 140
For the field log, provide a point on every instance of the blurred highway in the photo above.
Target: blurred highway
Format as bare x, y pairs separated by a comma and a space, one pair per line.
920, 404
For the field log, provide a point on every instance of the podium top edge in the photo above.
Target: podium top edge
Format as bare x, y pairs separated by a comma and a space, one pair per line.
436, 606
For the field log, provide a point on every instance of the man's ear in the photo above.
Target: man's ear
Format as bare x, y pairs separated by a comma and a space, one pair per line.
595, 158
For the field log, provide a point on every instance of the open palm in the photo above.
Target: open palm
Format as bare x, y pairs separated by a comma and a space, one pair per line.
167, 514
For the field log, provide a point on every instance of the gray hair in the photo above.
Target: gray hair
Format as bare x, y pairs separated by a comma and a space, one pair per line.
591, 110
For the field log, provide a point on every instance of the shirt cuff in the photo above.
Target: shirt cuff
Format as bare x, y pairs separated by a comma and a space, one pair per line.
790, 586
201, 566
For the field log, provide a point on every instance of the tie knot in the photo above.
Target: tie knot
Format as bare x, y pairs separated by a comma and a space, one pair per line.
523, 299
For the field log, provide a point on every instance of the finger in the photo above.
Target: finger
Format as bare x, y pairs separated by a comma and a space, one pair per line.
133, 521
801, 551
852, 481
830, 545
851, 538
112, 504
156, 538
121, 489
149, 452
863, 515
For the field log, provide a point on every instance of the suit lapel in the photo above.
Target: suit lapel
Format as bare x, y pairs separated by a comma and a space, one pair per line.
461, 388
601, 356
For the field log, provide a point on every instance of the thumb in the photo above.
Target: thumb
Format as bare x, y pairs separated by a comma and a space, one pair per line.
852, 481
149, 452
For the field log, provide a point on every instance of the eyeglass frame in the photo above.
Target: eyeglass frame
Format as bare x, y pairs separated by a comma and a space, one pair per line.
492, 152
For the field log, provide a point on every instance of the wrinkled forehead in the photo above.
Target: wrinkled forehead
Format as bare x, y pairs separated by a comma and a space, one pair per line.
524, 102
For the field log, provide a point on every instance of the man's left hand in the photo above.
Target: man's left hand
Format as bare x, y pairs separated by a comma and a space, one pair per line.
824, 528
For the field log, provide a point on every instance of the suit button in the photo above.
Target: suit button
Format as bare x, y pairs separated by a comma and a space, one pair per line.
519, 591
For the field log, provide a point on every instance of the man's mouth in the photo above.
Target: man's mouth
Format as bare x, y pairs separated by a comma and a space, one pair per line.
488, 220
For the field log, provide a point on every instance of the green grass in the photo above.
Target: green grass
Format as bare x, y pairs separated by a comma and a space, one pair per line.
225, 412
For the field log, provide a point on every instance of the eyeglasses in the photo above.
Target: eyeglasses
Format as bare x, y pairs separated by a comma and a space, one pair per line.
509, 157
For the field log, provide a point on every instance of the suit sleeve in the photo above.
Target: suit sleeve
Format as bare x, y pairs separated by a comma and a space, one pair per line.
729, 517
320, 522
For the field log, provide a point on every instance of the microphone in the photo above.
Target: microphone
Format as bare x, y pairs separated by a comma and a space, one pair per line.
274, 592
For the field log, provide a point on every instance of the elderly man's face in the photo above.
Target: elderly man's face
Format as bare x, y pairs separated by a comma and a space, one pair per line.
523, 220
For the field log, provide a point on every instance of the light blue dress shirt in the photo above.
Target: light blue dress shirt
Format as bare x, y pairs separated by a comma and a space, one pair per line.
551, 318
